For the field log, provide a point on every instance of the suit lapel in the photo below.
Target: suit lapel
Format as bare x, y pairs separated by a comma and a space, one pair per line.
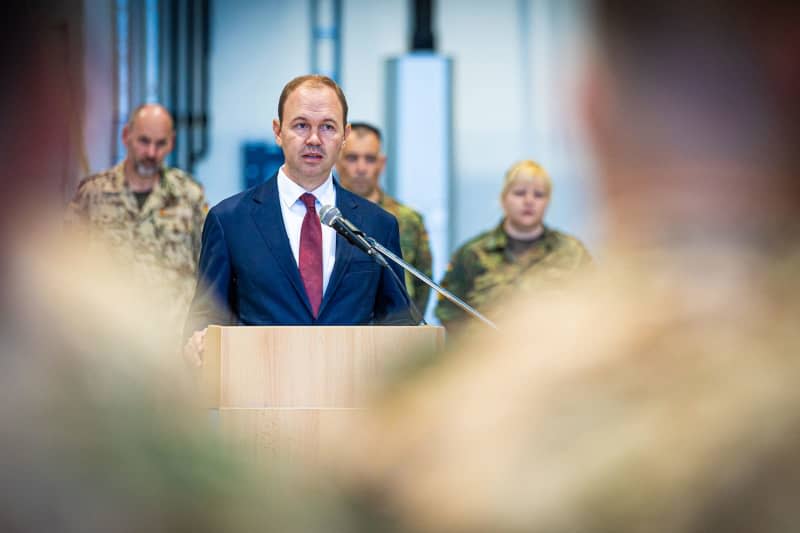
344, 250
267, 216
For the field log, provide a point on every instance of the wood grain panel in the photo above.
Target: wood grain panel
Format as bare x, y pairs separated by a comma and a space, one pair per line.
304, 367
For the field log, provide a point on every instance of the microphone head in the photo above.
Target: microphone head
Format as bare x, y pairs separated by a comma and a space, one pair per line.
329, 213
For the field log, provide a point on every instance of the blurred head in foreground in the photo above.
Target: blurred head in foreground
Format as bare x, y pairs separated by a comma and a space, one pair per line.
661, 396
694, 114
41, 115
102, 434
98, 431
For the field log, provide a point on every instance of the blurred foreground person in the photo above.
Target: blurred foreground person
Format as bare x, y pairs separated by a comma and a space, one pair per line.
359, 168
661, 397
101, 435
97, 433
519, 256
146, 214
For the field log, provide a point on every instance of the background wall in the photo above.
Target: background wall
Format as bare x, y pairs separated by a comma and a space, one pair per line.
514, 61
256, 47
513, 92
99, 65
514, 98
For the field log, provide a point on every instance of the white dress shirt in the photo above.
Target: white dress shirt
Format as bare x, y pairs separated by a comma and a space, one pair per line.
293, 211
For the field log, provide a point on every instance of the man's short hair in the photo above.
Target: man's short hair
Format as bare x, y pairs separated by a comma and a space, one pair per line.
364, 127
312, 80
138, 109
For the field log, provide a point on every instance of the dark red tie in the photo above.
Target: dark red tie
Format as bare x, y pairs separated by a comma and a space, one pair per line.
311, 253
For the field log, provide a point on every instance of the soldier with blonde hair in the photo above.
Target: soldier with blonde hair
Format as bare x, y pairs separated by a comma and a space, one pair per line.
521, 254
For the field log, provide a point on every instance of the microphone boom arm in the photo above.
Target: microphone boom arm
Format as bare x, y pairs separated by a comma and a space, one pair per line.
422, 277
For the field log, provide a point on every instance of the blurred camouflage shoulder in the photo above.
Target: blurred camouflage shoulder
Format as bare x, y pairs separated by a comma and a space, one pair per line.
483, 272
184, 182
415, 245
569, 249
413, 235
400, 210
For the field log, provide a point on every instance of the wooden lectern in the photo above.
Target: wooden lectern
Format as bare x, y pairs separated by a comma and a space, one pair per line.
286, 390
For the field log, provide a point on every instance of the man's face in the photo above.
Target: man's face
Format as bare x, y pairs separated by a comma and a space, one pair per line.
311, 134
149, 140
361, 163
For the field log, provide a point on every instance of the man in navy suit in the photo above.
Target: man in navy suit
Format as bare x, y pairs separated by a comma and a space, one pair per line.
265, 257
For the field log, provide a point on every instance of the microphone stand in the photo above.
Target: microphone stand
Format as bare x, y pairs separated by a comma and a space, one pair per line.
422, 277
416, 316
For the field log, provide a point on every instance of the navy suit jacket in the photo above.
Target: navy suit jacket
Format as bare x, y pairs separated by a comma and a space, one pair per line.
248, 275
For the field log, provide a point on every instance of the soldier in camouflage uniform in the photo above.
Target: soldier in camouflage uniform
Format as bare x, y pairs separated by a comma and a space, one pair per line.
144, 214
359, 168
520, 255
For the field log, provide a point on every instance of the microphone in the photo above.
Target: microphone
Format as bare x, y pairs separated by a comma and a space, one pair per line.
331, 216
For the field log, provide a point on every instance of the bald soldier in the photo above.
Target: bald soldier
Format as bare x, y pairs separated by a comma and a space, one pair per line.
145, 214
359, 168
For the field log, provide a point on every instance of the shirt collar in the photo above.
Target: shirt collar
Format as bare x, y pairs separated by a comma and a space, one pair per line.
290, 192
498, 238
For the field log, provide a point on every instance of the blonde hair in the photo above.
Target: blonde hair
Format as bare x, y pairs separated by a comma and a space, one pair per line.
526, 170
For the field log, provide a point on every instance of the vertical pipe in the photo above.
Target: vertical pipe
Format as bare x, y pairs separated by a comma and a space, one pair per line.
123, 88
314, 16
422, 36
205, 36
173, 80
188, 81
337, 40
137, 52
152, 59
326, 49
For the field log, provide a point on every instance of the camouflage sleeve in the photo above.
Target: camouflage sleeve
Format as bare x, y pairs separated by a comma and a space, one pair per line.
570, 253
580, 256
76, 217
458, 279
422, 262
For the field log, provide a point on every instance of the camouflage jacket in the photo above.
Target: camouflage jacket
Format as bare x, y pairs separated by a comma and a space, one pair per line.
162, 240
414, 245
482, 271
